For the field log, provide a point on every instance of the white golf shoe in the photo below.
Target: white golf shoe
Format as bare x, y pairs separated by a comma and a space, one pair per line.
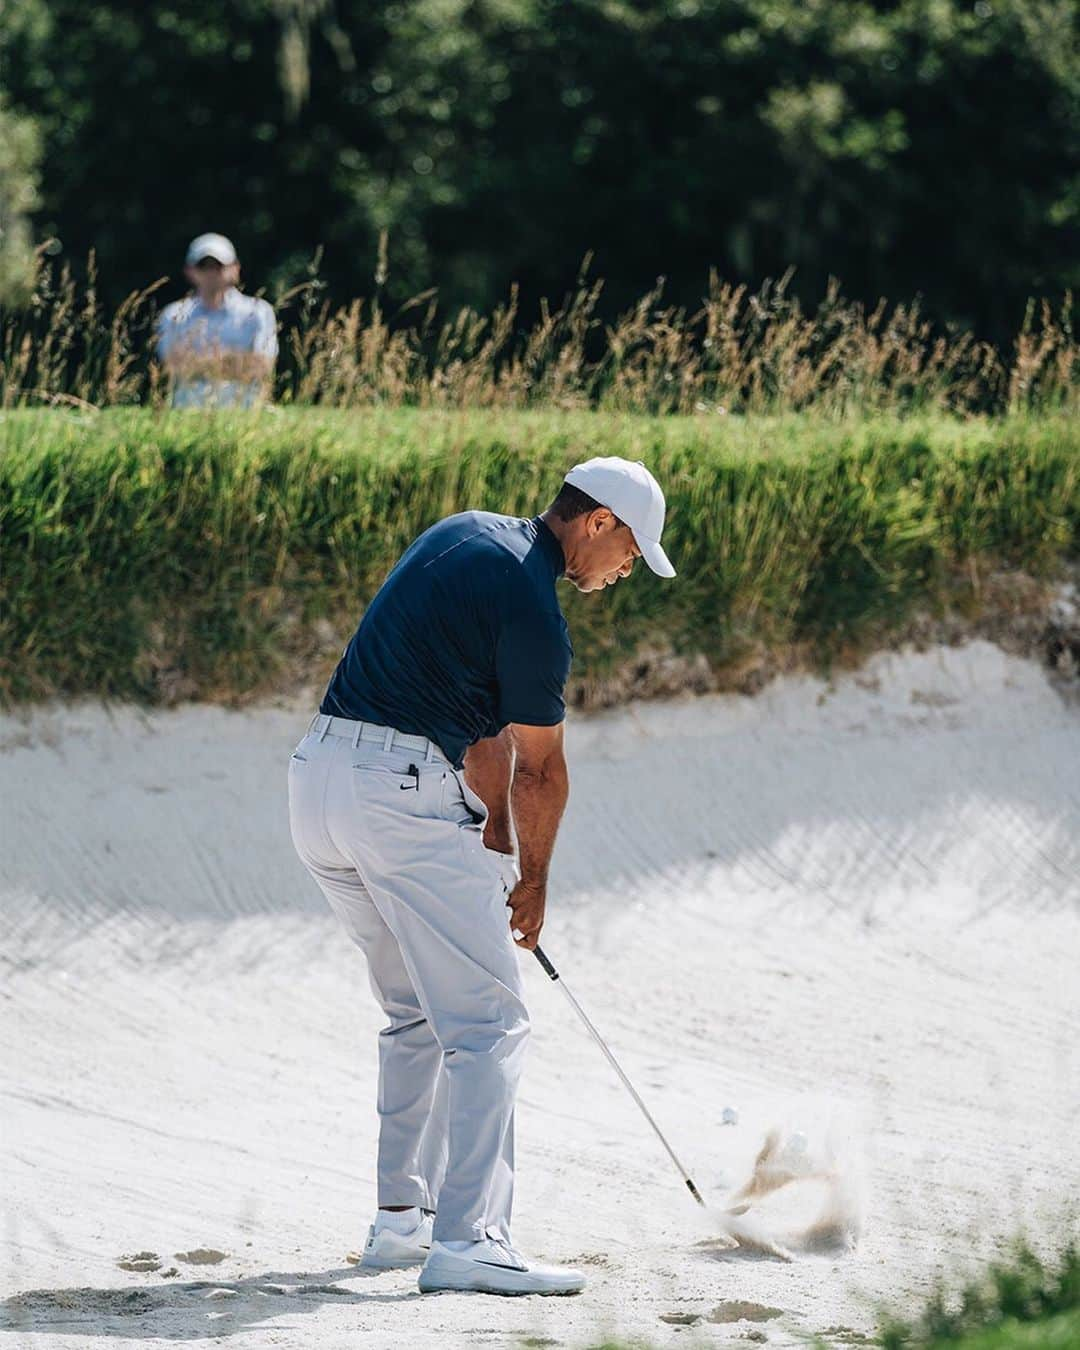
387, 1248
493, 1267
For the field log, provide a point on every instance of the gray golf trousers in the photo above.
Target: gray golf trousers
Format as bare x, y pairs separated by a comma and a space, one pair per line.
394, 837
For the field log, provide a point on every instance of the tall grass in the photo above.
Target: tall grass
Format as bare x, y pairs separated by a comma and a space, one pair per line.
159, 556
738, 351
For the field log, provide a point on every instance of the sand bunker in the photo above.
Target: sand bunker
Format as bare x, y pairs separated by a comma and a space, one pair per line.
855, 902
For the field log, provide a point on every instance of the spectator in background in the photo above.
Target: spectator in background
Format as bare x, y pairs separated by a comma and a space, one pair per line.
218, 345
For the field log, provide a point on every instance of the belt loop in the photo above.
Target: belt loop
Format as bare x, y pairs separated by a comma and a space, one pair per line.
356, 734
312, 723
388, 739
325, 728
429, 753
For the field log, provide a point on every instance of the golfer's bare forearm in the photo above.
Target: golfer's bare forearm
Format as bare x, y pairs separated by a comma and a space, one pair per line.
489, 765
538, 798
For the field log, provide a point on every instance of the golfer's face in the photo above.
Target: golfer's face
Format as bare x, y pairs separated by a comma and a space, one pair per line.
609, 554
208, 276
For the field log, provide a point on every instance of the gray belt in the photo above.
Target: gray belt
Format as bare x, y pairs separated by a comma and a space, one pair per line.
392, 739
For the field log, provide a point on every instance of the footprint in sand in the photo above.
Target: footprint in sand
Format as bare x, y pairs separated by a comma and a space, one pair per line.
139, 1261
201, 1256
737, 1310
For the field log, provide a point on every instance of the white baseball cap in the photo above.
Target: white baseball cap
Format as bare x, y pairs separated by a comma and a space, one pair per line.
633, 494
214, 246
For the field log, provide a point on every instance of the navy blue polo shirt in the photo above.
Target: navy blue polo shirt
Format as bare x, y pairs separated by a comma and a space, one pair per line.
464, 636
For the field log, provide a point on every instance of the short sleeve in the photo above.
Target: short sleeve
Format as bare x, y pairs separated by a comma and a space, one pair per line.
265, 342
532, 662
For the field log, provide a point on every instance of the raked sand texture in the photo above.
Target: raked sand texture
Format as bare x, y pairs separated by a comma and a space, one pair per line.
851, 908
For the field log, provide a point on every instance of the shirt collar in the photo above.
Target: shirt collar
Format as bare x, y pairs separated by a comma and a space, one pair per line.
228, 302
553, 550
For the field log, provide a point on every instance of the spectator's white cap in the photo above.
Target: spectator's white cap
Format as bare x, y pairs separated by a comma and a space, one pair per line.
214, 246
633, 494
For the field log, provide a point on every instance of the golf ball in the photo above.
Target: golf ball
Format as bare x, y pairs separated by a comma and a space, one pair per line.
730, 1115
798, 1141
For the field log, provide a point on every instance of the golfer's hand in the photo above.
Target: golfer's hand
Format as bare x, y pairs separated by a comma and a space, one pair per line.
526, 905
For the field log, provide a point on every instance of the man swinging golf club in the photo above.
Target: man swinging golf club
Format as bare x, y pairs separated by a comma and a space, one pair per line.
438, 741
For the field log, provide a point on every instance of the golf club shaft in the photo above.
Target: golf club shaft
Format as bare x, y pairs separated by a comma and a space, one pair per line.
555, 978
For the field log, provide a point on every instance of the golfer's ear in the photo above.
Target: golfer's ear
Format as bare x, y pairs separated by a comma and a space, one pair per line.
598, 519
538, 748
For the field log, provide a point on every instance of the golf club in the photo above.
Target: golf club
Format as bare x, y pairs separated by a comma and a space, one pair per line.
555, 978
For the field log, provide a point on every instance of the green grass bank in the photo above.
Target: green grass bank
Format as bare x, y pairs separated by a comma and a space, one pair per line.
157, 556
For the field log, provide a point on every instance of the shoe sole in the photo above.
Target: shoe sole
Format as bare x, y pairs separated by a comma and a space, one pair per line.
374, 1263
466, 1284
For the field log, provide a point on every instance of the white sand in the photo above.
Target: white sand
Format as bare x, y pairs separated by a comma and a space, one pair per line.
858, 904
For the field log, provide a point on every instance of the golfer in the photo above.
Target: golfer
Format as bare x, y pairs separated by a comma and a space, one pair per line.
218, 344
438, 744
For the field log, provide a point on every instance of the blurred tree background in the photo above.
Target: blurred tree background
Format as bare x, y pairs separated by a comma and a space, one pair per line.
927, 147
